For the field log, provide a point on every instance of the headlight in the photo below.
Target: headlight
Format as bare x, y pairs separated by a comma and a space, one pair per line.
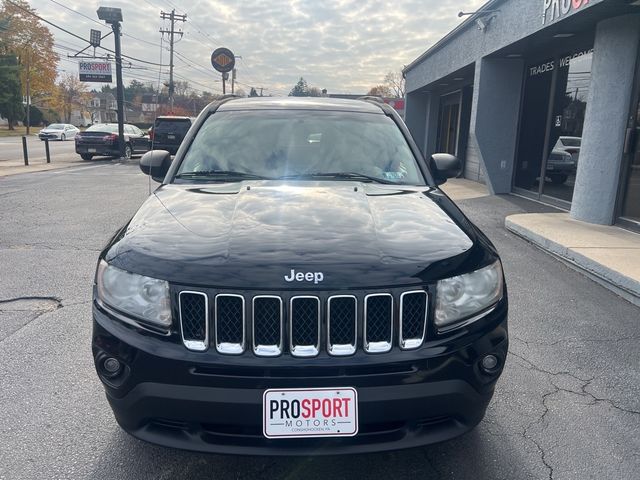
460, 297
143, 297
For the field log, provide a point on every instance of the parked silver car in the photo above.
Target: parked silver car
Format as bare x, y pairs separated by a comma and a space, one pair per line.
58, 131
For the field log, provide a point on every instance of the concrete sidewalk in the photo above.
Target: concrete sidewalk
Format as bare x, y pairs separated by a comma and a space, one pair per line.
607, 254
15, 167
610, 255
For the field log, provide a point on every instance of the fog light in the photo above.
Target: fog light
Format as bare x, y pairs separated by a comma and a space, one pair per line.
490, 363
111, 366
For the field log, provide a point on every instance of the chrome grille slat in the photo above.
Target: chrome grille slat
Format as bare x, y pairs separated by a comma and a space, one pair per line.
378, 322
342, 325
267, 325
413, 318
230, 323
194, 320
304, 326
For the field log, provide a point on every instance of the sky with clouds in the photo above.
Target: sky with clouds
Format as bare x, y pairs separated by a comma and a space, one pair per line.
345, 46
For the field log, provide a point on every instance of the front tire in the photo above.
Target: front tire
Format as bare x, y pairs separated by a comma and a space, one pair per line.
558, 178
63, 137
86, 156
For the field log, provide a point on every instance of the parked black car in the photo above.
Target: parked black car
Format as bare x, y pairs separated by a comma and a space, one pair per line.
299, 284
102, 139
168, 132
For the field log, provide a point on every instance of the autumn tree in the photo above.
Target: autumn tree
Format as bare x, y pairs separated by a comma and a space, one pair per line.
380, 91
395, 82
32, 42
71, 94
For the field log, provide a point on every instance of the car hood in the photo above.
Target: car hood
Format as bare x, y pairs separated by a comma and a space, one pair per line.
253, 234
51, 130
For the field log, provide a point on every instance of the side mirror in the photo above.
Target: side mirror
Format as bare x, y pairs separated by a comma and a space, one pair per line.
156, 163
445, 165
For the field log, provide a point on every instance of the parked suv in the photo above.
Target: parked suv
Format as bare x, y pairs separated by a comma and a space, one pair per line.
299, 284
167, 133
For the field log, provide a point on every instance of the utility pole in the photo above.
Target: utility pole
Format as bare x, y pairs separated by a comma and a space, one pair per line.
28, 90
173, 17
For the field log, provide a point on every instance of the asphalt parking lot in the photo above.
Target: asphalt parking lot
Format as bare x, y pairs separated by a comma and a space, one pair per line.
566, 407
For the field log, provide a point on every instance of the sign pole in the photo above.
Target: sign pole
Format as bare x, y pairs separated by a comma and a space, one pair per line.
223, 61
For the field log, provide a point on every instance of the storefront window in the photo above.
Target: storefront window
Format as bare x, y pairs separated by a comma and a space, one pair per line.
570, 105
553, 112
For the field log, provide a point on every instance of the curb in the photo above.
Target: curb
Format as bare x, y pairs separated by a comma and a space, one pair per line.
620, 284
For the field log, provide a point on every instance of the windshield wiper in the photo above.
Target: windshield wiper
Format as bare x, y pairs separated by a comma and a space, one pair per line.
339, 175
221, 173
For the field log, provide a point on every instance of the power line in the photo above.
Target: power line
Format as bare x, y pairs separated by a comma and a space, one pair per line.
76, 36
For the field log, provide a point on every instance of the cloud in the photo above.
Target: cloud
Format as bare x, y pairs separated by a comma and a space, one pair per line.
346, 46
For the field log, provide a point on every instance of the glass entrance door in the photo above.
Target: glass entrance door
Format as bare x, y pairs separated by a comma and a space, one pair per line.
449, 124
631, 199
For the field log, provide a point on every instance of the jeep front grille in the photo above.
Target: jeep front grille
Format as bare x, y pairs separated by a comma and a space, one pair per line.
305, 324
230, 323
194, 320
267, 325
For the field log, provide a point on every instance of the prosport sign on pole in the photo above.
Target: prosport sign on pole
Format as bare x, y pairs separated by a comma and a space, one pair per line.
223, 60
95, 72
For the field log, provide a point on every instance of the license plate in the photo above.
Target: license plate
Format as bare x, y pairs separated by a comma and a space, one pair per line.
171, 137
311, 412
91, 150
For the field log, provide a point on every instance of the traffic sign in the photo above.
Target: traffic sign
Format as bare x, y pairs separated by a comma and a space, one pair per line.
223, 60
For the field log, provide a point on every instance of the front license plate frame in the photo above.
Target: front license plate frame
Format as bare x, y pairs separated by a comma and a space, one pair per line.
319, 413
91, 150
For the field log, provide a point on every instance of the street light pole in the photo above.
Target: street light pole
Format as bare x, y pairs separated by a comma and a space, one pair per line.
119, 89
113, 17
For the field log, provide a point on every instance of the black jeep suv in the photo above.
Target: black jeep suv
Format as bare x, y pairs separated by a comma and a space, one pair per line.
168, 132
298, 284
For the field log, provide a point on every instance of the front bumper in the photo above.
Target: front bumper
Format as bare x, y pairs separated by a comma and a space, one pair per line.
212, 403
49, 136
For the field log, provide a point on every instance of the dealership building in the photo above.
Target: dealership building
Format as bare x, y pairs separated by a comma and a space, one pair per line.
539, 98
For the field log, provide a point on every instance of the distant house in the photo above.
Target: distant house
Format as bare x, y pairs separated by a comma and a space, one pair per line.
103, 108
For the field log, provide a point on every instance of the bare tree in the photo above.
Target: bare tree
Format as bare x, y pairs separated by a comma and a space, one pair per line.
380, 91
395, 82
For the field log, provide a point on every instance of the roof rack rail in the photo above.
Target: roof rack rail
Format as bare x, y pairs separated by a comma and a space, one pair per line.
371, 98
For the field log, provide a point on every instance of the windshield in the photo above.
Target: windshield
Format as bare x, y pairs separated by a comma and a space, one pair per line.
103, 128
304, 143
56, 126
172, 126
570, 142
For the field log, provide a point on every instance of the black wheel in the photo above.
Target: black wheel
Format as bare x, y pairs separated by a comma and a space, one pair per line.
63, 137
86, 156
558, 178
127, 151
